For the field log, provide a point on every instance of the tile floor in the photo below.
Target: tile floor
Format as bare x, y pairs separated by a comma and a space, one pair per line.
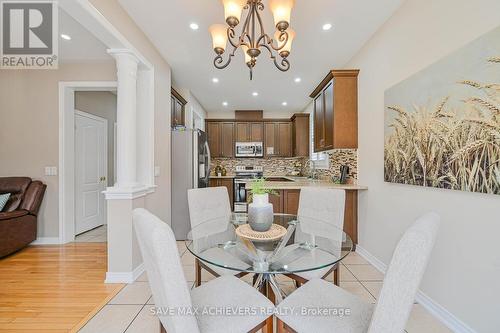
97, 235
130, 310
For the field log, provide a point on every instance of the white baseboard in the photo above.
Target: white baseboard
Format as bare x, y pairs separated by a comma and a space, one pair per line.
46, 241
438, 311
124, 277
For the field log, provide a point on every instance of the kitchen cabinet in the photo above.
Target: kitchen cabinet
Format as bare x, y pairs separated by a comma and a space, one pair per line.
214, 138
275, 199
285, 139
278, 139
220, 138
249, 132
336, 111
287, 202
226, 182
227, 139
291, 201
177, 104
300, 135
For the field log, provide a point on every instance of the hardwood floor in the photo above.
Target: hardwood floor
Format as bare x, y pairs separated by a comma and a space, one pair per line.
53, 289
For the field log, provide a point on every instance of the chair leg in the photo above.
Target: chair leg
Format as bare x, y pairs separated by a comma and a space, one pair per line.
197, 270
336, 276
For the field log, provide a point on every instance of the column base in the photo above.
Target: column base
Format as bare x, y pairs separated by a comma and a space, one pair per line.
124, 277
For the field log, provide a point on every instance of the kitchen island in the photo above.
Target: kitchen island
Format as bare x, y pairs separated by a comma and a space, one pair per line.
286, 200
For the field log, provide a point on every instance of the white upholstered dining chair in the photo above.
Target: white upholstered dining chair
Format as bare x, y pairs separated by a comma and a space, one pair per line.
394, 304
170, 290
325, 205
211, 204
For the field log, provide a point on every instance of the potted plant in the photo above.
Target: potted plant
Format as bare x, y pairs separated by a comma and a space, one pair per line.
260, 211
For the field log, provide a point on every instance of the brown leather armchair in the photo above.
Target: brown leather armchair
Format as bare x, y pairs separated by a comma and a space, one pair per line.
18, 219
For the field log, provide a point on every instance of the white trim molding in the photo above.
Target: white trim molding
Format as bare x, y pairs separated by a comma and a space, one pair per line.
437, 310
124, 277
118, 193
46, 241
67, 151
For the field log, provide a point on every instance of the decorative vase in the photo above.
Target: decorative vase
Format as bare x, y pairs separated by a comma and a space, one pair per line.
260, 213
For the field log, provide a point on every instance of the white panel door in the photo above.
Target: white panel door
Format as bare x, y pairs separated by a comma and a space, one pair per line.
90, 171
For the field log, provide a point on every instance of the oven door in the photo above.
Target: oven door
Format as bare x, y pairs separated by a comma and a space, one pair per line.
244, 149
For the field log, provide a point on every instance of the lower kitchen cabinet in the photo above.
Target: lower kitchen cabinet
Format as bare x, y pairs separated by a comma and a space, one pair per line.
228, 183
287, 202
275, 199
291, 201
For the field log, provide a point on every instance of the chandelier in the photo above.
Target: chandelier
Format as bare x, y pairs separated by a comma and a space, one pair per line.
253, 38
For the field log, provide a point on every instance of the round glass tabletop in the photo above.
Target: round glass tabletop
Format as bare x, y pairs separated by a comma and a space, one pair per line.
309, 244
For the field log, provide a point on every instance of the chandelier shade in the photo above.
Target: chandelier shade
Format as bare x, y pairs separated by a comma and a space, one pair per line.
219, 37
253, 39
281, 10
232, 10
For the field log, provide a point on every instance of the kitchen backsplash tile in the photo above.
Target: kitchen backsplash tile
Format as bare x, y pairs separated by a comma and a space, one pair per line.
274, 166
277, 166
338, 157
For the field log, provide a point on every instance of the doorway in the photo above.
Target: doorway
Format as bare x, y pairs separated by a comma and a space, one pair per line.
94, 168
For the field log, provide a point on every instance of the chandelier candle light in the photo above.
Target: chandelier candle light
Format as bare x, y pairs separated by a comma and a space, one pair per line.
253, 38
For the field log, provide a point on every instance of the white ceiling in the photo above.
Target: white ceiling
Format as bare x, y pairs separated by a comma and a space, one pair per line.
314, 51
83, 46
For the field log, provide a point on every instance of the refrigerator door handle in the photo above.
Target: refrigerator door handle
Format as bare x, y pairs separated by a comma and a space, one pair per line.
207, 167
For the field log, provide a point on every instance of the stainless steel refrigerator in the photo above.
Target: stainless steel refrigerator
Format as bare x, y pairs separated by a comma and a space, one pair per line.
190, 169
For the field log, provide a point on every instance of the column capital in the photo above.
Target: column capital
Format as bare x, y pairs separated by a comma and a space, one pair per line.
124, 54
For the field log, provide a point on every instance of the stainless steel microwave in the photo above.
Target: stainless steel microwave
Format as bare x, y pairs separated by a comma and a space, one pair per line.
249, 149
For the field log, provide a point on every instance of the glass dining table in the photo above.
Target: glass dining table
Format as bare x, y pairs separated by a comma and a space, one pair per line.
307, 244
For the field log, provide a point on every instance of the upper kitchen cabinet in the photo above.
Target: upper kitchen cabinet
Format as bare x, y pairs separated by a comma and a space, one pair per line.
300, 135
220, 138
177, 104
336, 111
249, 132
278, 138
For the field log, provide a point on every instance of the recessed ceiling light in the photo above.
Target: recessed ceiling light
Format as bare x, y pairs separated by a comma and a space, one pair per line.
224, 103
297, 79
255, 93
215, 80
194, 26
64, 36
327, 26
284, 103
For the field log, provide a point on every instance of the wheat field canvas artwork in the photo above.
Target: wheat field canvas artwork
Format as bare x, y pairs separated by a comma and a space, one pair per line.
442, 125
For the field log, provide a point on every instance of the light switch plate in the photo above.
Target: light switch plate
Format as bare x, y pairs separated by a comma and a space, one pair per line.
51, 171
157, 171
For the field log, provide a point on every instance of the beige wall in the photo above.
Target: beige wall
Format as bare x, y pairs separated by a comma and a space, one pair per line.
464, 270
158, 202
102, 104
29, 118
29, 127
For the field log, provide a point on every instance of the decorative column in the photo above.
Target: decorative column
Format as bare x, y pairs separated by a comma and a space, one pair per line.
126, 116
124, 258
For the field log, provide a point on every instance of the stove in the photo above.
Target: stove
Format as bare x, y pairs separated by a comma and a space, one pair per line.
243, 174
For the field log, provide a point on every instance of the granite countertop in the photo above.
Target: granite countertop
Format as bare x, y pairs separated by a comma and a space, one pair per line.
222, 177
296, 183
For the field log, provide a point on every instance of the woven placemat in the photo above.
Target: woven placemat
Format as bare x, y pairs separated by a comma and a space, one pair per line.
274, 233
